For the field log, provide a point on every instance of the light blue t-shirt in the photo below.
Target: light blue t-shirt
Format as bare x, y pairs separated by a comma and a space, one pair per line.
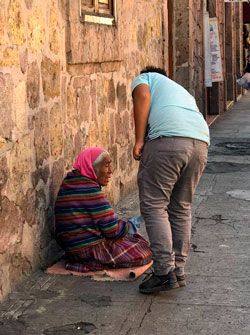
173, 110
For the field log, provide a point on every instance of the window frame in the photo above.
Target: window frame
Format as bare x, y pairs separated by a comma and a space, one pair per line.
99, 15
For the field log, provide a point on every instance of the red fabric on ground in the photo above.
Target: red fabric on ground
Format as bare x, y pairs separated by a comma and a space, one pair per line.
125, 274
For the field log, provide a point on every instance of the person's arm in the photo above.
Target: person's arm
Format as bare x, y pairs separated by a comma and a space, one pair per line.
141, 102
105, 219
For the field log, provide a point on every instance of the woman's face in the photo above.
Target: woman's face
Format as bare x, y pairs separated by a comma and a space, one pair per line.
104, 170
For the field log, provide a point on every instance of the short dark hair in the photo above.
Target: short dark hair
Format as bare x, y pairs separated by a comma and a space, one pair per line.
154, 69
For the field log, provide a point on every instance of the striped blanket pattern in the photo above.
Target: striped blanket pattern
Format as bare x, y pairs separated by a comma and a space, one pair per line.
90, 232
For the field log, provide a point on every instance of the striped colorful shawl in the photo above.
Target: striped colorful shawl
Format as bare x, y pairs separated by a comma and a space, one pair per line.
83, 215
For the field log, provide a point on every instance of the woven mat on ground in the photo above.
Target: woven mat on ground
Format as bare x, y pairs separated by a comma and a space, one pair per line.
125, 274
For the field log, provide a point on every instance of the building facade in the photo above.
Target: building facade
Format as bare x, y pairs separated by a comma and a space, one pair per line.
65, 72
187, 60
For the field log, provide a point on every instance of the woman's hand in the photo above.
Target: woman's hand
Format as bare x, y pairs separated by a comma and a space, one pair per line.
132, 228
134, 224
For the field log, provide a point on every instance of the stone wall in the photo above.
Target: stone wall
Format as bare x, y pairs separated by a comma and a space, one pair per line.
188, 51
99, 98
196, 52
188, 47
64, 85
181, 34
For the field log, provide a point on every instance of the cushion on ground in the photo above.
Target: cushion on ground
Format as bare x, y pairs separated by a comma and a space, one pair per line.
125, 274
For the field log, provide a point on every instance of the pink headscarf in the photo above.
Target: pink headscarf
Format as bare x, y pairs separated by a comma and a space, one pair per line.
84, 161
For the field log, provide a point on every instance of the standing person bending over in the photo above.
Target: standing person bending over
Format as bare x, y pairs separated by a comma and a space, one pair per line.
172, 139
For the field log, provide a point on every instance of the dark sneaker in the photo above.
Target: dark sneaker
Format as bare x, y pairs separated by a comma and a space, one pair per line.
159, 283
181, 280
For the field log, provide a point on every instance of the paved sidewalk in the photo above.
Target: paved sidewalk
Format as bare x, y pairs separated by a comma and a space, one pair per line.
217, 298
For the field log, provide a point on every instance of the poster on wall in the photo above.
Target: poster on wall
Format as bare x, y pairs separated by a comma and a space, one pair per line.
207, 52
216, 65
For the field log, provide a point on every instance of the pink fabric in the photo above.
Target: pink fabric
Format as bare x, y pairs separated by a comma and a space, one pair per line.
127, 274
84, 161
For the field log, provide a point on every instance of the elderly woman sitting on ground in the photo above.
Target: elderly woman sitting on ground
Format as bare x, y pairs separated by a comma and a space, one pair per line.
87, 227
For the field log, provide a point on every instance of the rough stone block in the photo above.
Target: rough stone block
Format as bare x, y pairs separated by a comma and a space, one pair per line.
10, 231
50, 78
23, 58
64, 7
68, 147
41, 205
74, 10
119, 128
93, 101
113, 153
63, 96
20, 266
33, 85
71, 106
36, 29
101, 103
83, 102
104, 129
41, 174
79, 101
56, 131
182, 76
4, 278
15, 26
123, 162
56, 179
141, 37
82, 48
122, 128
3, 20
28, 249
54, 41
125, 124
4, 172
6, 103
29, 3
21, 166
41, 136
111, 93
9, 56
27, 206
21, 117
121, 92
79, 142
93, 136
112, 128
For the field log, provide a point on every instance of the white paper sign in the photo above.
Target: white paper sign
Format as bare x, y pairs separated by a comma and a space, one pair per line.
216, 66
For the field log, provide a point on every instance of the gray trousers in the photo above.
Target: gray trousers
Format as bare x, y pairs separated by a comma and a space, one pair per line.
170, 169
